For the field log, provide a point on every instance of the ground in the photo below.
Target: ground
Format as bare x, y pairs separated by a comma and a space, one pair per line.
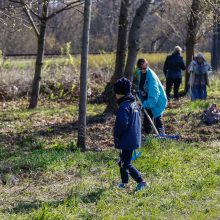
43, 175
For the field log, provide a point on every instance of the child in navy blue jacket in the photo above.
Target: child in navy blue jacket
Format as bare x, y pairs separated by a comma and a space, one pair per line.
127, 132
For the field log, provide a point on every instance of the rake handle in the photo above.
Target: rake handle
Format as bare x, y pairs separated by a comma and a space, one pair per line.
149, 118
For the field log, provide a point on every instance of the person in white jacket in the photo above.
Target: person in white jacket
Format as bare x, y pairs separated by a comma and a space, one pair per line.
199, 70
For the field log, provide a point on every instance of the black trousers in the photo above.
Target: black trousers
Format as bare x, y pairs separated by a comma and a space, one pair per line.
157, 121
127, 168
175, 83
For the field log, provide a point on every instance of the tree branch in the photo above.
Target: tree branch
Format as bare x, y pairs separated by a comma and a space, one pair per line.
215, 8
9, 16
179, 35
27, 12
34, 13
67, 7
15, 1
78, 11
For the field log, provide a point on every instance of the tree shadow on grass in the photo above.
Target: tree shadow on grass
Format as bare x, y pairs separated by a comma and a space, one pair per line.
59, 129
48, 131
28, 147
92, 197
28, 207
23, 207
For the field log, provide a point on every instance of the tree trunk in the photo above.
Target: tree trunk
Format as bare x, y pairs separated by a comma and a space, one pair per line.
120, 54
122, 40
215, 59
83, 76
189, 57
38, 65
191, 39
134, 37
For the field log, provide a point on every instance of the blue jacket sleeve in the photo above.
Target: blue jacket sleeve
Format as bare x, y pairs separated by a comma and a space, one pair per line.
121, 123
153, 94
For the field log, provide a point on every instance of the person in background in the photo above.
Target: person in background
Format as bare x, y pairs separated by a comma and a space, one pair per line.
152, 96
199, 70
127, 132
172, 69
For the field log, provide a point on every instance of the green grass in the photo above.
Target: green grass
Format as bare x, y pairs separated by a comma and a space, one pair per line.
184, 184
57, 181
103, 61
60, 75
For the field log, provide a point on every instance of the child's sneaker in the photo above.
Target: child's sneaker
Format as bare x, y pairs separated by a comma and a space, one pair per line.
141, 186
122, 185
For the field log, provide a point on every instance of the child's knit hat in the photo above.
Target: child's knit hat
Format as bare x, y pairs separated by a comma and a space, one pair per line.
122, 86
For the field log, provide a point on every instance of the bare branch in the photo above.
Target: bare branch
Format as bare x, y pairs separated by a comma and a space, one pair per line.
15, 17
215, 7
67, 7
78, 11
15, 1
27, 12
179, 35
35, 14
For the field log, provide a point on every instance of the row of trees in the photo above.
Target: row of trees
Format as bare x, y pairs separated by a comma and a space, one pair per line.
166, 24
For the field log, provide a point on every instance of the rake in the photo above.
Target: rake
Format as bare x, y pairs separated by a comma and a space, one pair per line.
162, 136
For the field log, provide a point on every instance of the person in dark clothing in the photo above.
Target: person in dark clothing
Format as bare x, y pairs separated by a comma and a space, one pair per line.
127, 132
173, 66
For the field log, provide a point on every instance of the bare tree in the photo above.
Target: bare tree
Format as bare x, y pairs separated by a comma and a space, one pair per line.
120, 53
134, 37
133, 46
122, 40
215, 58
191, 37
168, 28
83, 75
38, 14
188, 24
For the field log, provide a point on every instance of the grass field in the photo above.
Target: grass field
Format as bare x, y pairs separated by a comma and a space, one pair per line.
44, 176
16, 69
61, 74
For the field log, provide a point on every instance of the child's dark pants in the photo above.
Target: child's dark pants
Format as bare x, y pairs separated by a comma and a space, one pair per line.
127, 168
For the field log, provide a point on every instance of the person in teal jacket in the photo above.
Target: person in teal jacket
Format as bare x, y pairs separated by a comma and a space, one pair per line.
152, 95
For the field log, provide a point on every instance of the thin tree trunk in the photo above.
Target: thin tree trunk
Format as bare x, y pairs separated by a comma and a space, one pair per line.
189, 57
214, 44
120, 54
83, 76
191, 39
38, 66
215, 59
218, 48
134, 37
122, 40
40, 56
